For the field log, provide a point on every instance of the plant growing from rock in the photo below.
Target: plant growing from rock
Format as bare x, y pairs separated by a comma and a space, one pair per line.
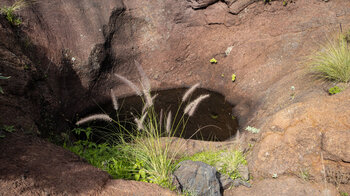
252, 129
332, 61
334, 90
150, 154
9, 12
3, 78
225, 161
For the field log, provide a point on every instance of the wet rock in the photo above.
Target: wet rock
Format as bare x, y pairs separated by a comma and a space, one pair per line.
197, 177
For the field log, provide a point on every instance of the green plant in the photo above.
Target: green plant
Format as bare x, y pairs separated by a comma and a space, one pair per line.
6, 128
148, 154
304, 174
225, 161
292, 95
115, 159
332, 62
3, 78
334, 90
9, 11
252, 129
344, 193
213, 61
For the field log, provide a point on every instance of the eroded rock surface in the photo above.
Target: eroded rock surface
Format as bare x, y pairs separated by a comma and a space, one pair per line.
286, 186
72, 50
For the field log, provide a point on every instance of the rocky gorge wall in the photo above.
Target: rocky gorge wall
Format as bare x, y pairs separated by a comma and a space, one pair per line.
66, 53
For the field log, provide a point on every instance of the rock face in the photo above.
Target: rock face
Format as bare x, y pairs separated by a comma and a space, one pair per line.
197, 178
66, 52
288, 186
335, 144
196, 4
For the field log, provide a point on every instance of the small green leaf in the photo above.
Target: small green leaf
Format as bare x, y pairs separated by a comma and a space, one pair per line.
1, 91
213, 61
214, 116
137, 177
143, 174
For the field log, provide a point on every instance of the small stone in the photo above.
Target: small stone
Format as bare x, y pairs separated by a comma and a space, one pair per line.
243, 171
238, 182
225, 181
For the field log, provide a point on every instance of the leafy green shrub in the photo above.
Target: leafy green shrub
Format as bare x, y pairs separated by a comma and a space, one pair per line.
3, 78
146, 155
332, 62
334, 90
225, 161
344, 193
115, 159
9, 11
6, 128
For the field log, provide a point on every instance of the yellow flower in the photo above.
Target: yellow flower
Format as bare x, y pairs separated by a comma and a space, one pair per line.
233, 77
213, 61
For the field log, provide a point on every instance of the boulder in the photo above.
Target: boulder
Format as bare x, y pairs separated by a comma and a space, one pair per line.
197, 178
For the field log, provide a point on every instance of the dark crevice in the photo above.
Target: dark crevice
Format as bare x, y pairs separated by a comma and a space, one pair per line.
213, 115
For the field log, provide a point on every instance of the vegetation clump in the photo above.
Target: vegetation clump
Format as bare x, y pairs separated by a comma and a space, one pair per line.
9, 12
139, 153
225, 161
334, 90
332, 61
3, 78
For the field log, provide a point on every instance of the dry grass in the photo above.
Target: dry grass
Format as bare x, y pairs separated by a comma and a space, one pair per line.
332, 61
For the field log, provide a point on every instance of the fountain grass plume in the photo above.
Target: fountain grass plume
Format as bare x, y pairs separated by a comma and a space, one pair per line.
144, 79
189, 92
168, 123
114, 100
140, 122
146, 145
103, 117
130, 84
191, 107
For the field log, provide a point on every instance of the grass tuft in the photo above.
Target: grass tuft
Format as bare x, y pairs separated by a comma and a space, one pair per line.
9, 11
332, 61
225, 161
139, 153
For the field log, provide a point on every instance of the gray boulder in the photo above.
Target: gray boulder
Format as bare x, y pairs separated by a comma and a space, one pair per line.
197, 178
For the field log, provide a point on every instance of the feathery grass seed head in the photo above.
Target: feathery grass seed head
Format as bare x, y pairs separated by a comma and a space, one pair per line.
189, 92
114, 100
130, 84
168, 122
139, 122
103, 117
144, 79
191, 107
